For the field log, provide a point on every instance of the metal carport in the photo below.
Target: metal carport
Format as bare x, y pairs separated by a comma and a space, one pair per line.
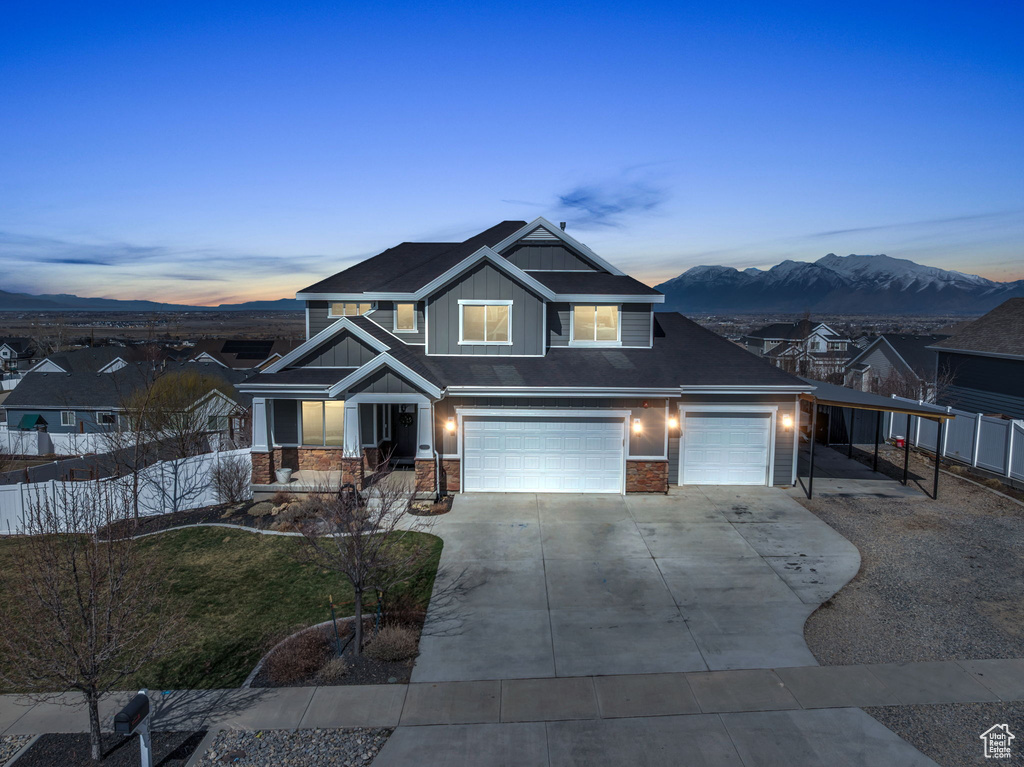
840, 396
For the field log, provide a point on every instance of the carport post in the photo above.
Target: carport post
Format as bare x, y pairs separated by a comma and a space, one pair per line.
814, 431
938, 452
853, 422
878, 430
906, 454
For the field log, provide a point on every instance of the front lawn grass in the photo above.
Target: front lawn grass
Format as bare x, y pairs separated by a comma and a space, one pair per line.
240, 592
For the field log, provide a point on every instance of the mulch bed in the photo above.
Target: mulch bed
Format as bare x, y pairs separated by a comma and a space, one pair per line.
430, 508
170, 749
362, 670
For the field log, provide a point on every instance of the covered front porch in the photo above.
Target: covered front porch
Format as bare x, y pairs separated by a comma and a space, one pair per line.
309, 445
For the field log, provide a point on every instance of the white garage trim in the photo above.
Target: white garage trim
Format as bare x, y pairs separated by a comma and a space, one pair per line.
568, 414
690, 408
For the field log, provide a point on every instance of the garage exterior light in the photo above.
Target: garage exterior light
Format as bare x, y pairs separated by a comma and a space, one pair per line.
450, 425
637, 426
673, 422
787, 421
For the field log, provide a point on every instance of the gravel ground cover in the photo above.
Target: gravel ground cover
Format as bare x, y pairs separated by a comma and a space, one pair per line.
12, 744
170, 749
304, 748
939, 580
949, 734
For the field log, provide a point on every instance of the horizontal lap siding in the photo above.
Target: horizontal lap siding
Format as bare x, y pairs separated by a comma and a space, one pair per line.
553, 257
984, 384
85, 420
485, 282
318, 319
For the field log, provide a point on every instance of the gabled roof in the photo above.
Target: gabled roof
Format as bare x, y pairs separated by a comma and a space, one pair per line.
91, 359
913, 350
23, 347
794, 331
89, 390
999, 333
241, 353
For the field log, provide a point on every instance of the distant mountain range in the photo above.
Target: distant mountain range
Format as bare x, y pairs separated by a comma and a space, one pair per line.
835, 285
23, 302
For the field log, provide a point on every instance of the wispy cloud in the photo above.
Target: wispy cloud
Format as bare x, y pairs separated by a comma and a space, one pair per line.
76, 261
965, 219
607, 203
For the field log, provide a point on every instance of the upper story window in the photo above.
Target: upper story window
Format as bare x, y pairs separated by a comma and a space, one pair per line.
349, 309
67, 417
405, 318
485, 322
595, 324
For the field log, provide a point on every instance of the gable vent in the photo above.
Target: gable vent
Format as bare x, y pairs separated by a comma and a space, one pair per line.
540, 234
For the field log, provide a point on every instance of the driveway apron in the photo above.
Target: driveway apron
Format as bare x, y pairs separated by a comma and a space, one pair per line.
535, 586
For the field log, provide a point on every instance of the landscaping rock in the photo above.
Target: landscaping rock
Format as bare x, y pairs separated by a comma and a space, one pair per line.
12, 744
262, 509
302, 748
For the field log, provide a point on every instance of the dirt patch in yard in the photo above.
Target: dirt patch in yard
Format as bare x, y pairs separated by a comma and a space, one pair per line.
939, 580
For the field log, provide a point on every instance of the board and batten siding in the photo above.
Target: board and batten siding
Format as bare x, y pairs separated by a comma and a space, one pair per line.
636, 319
384, 382
650, 442
479, 283
983, 384
547, 257
783, 437
384, 315
342, 351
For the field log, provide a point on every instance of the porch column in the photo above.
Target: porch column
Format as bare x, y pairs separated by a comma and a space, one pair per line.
260, 425
425, 431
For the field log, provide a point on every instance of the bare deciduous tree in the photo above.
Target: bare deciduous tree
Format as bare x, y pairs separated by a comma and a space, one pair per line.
231, 479
78, 608
365, 539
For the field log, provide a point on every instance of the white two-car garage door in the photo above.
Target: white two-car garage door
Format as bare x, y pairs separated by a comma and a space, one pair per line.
509, 454
726, 449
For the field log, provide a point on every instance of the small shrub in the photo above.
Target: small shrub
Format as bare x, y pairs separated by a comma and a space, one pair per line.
333, 671
231, 479
282, 497
393, 643
299, 658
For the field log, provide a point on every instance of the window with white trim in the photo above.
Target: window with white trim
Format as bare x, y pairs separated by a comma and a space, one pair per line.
322, 422
106, 419
67, 417
349, 308
595, 324
485, 322
405, 318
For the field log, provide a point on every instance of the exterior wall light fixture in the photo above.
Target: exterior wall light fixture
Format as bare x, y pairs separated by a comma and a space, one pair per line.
787, 421
673, 422
450, 425
637, 426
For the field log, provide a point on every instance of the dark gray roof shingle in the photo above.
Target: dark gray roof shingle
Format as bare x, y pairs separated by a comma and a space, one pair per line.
1001, 331
597, 283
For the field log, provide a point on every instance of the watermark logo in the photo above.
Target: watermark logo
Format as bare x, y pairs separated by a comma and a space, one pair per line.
997, 741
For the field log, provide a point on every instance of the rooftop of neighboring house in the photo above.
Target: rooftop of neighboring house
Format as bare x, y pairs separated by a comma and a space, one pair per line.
23, 347
999, 333
793, 331
93, 359
242, 353
915, 352
89, 389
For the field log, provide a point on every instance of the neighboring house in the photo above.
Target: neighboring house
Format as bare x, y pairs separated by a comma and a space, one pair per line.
91, 359
17, 354
241, 353
983, 363
517, 361
811, 349
88, 401
896, 364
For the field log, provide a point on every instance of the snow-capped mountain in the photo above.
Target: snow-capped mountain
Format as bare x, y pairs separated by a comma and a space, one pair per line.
836, 284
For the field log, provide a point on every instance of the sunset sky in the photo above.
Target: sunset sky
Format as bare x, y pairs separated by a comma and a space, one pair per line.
215, 152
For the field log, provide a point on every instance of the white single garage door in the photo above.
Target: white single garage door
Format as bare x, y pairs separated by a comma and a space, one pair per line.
725, 449
517, 454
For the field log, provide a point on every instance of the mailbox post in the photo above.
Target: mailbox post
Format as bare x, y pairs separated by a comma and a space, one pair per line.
135, 718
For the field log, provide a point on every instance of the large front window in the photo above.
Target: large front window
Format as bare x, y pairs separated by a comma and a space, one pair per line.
486, 323
595, 324
323, 423
349, 308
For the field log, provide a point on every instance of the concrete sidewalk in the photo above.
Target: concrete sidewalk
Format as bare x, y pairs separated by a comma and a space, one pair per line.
511, 701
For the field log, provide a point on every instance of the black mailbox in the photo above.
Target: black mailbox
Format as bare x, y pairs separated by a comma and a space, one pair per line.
132, 715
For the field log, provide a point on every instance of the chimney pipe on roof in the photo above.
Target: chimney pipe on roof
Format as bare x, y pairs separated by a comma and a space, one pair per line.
562, 224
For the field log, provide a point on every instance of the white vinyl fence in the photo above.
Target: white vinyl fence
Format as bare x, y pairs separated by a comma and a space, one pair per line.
164, 487
993, 444
18, 442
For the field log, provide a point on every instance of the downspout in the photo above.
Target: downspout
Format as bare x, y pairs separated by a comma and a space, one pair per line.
437, 456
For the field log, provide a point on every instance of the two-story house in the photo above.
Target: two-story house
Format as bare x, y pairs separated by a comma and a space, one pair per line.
807, 348
517, 361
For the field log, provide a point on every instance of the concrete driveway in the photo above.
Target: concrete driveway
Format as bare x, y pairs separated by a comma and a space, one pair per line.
571, 585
